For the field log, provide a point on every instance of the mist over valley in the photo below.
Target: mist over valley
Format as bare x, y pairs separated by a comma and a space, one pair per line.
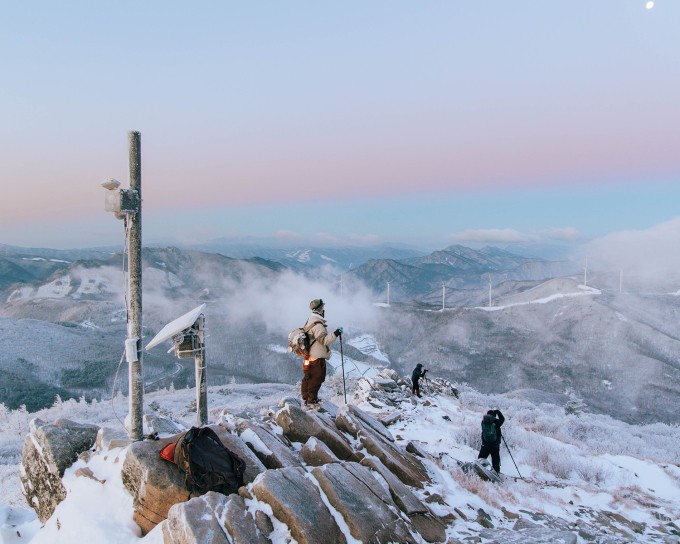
500, 322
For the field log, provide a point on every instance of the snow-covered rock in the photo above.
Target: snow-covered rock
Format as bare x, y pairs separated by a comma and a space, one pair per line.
49, 449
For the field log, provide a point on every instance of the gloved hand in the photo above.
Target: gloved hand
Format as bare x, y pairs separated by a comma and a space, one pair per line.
338, 331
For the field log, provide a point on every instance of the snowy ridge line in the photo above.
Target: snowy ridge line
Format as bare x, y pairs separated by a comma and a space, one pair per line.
544, 300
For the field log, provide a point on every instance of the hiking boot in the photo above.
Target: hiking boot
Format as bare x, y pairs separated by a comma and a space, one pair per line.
317, 401
310, 406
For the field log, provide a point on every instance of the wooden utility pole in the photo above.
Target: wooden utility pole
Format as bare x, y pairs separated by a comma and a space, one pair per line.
200, 363
136, 385
126, 204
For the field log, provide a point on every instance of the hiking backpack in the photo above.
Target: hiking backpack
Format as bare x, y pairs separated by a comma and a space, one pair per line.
489, 434
299, 342
208, 465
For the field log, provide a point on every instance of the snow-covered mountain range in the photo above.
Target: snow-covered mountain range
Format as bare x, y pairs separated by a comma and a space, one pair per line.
532, 331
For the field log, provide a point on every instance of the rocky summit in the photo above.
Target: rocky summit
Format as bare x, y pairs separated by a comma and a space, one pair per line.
340, 474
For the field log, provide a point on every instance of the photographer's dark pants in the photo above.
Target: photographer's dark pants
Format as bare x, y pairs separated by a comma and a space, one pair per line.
314, 374
416, 387
495, 451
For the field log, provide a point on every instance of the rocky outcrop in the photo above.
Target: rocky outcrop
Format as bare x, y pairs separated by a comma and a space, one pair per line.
269, 448
280, 450
352, 420
378, 441
422, 519
538, 535
315, 453
299, 426
353, 491
158, 426
49, 449
328, 476
156, 484
213, 518
482, 468
296, 501
196, 521
109, 438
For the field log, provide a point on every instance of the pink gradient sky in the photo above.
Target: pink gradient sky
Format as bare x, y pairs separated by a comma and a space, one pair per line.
333, 119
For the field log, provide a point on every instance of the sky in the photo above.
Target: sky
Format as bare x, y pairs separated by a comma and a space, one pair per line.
419, 123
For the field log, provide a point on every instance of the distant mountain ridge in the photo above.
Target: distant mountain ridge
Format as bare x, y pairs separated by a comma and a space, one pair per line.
456, 267
63, 323
305, 258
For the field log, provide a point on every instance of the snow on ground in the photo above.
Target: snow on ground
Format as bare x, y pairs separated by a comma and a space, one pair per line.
353, 369
367, 345
58, 288
584, 290
561, 459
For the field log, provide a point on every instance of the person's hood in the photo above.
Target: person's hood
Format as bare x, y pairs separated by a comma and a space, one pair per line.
316, 318
419, 365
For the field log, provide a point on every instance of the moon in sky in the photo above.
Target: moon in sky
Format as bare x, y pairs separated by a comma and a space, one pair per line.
649, 5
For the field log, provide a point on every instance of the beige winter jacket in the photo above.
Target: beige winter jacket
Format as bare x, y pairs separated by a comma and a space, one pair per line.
319, 337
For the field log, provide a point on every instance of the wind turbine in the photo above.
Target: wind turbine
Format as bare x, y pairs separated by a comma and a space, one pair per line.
489, 289
585, 274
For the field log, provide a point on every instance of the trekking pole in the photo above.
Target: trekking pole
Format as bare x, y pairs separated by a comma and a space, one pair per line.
511, 457
342, 360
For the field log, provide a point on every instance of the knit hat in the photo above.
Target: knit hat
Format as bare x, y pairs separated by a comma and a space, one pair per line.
316, 305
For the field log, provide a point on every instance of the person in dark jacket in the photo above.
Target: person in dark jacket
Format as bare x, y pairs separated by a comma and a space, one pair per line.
314, 366
493, 420
418, 372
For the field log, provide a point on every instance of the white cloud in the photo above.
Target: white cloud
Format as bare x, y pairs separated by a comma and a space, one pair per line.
513, 236
491, 236
364, 239
567, 234
287, 235
648, 256
324, 238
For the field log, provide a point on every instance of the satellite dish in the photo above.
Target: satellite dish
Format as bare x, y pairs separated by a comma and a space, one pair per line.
177, 326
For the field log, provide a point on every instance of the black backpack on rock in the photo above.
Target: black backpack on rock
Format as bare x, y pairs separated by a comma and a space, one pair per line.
208, 465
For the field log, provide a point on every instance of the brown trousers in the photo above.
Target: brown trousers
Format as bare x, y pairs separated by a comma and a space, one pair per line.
314, 374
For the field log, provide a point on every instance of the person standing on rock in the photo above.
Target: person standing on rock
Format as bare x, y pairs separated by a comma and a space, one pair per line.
491, 438
320, 341
418, 373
